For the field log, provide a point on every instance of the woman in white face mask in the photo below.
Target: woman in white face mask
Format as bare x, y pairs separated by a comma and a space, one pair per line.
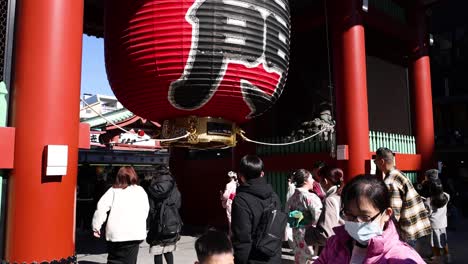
369, 234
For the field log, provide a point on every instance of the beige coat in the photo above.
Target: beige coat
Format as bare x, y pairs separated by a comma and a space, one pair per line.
329, 218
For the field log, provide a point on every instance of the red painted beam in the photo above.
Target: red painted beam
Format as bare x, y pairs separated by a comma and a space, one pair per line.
84, 140
382, 22
408, 162
7, 147
290, 162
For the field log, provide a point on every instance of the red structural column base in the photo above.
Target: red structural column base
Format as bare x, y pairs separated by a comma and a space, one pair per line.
349, 57
45, 111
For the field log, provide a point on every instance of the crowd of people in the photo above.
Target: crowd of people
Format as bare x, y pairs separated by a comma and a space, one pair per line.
378, 218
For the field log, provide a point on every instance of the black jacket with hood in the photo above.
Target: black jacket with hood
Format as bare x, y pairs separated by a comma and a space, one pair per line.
159, 190
248, 205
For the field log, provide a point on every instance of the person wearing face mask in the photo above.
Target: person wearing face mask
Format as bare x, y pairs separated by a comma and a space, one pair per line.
304, 209
369, 234
332, 184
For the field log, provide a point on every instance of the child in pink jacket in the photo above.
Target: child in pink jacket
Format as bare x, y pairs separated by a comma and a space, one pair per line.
369, 235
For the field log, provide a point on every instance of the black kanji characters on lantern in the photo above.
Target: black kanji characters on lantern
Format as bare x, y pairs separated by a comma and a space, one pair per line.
248, 32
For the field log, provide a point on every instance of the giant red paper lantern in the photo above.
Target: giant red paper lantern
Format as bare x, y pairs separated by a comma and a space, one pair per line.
168, 59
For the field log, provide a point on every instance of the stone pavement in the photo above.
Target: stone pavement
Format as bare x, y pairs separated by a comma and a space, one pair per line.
91, 251
457, 240
185, 252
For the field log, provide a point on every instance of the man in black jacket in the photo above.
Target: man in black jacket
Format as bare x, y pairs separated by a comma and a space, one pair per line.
252, 197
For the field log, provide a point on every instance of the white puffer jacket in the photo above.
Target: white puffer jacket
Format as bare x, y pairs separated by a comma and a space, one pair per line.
129, 209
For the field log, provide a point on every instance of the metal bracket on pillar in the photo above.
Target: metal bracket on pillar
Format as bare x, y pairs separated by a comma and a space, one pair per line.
342, 152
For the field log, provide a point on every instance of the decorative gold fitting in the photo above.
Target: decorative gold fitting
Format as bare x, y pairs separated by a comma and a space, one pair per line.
205, 132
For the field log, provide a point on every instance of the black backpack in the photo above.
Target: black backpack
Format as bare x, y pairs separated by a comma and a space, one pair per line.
169, 223
269, 233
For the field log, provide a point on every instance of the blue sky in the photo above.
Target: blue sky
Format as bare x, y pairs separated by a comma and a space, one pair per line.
93, 71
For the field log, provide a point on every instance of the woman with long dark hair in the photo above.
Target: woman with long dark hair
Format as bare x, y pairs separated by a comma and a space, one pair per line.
128, 207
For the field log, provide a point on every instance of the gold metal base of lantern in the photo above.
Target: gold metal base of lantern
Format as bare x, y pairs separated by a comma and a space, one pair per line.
205, 132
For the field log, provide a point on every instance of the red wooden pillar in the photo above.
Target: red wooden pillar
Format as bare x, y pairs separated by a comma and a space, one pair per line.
421, 89
45, 111
349, 64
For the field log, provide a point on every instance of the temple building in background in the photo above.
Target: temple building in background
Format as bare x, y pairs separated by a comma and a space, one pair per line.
92, 105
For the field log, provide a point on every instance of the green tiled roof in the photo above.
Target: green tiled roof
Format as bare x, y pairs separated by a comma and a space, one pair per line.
114, 116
